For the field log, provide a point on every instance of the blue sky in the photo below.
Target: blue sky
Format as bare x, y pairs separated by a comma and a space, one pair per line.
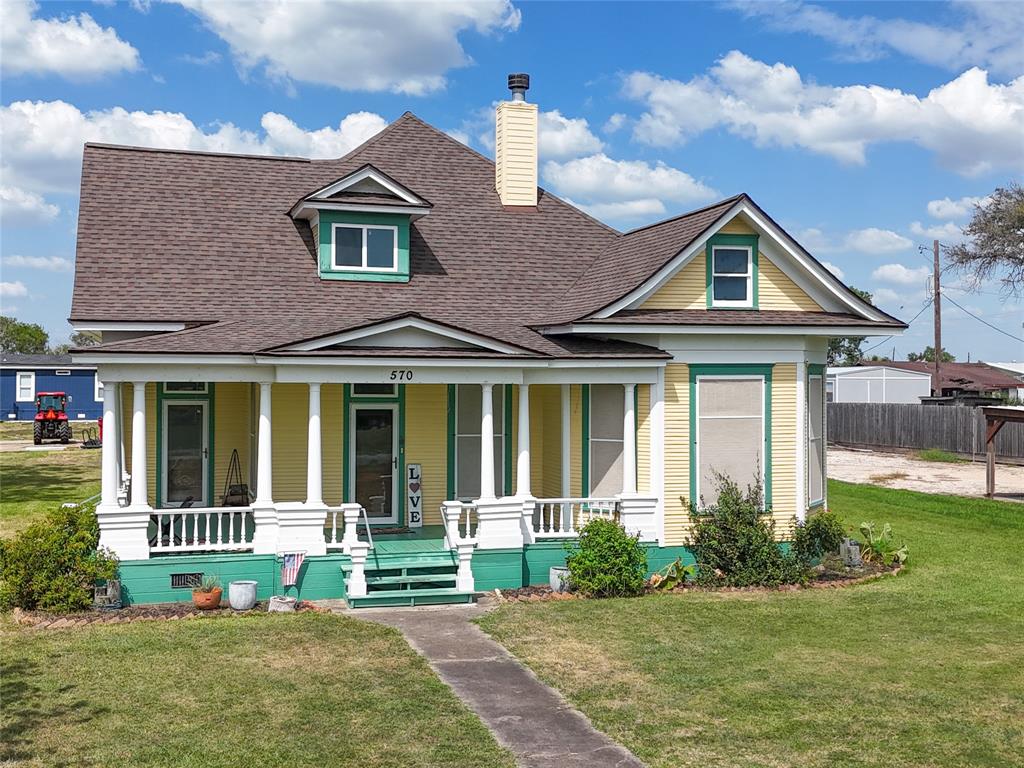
865, 129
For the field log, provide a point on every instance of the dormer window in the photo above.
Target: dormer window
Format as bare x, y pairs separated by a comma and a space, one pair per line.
732, 271
358, 247
732, 276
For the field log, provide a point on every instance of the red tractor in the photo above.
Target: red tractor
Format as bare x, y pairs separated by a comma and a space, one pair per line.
51, 418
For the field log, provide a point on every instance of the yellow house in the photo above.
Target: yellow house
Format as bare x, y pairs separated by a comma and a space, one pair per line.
424, 373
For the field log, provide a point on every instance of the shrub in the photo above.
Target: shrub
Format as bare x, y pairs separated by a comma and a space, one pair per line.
881, 547
734, 541
607, 561
820, 535
53, 564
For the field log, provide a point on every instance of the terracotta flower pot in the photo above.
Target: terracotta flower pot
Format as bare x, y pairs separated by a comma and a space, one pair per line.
206, 601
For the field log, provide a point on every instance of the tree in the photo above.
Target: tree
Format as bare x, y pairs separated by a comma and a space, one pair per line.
26, 338
845, 350
928, 356
85, 339
996, 245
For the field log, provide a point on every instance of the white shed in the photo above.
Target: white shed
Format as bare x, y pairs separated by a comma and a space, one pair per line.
876, 384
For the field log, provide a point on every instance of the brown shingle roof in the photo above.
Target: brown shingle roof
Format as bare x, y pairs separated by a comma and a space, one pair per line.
747, 317
971, 377
166, 236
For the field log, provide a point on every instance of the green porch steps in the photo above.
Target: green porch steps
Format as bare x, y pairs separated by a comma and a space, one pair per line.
408, 579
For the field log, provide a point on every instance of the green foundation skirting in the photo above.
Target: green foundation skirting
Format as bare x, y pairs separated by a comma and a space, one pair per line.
149, 581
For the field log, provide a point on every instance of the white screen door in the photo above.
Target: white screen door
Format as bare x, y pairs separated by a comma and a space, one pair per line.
373, 469
186, 455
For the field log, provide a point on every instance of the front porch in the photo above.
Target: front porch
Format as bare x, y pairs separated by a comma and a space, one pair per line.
407, 463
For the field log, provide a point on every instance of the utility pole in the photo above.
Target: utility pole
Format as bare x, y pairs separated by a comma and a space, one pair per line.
937, 291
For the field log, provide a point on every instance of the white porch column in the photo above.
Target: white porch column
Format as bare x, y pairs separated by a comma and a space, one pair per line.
264, 457
523, 440
487, 442
110, 447
140, 479
123, 530
629, 440
264, 513
566, 440
314, 457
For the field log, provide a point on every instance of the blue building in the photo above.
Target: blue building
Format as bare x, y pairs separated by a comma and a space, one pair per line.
22, 376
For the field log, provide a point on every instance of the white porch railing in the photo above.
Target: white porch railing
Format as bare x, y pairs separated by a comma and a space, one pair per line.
563, 518
201, 529
461, 522
341, 526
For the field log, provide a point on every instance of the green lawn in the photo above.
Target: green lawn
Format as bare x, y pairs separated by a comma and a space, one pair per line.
34, 482
22, 430
922, 669
259, 690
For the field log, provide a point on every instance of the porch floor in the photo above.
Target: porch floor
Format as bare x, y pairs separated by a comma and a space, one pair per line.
429, 538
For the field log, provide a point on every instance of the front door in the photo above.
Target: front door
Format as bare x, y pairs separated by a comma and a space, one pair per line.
373, 469
186, 456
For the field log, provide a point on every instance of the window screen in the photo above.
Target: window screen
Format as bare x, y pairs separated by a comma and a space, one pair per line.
815, 440
730, 433
606, 416
468, 412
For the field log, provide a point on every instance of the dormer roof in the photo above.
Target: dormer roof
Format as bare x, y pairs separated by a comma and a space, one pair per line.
365, 189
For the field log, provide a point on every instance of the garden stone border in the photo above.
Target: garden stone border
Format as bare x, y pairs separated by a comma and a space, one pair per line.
137, 613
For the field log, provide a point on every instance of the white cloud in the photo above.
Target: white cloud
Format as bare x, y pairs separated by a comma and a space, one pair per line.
45, 263
973, 126
380, 46
985, 33
954, 209
12, 290
459, 135
900, 274
75, 47
205, 60
834, 269
615, 123
41, 142
560, 137
19, 208
947, 231
624, 189
886, 296
813, 239
874, 241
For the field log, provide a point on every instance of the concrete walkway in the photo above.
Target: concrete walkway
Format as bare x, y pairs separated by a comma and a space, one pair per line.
527, 717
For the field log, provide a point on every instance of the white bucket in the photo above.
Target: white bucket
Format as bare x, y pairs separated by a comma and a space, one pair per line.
558, 578
242, 595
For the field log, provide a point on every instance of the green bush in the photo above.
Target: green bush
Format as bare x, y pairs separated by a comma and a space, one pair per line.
607, 562
881, 547
820, 535
53, 564
734, 542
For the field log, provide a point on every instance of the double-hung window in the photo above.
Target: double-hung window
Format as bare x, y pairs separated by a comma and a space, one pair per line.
26, 385
359, 247
606, 439
732, 276
815, 439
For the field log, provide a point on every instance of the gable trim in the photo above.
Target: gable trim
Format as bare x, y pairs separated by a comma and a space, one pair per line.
405, 322
369, 172
825, 279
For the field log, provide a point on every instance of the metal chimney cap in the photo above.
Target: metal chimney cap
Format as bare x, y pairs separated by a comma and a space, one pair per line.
519, 84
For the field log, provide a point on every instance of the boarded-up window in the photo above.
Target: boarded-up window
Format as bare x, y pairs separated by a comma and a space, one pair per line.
606, 417
730, 432
815, 439
468, 412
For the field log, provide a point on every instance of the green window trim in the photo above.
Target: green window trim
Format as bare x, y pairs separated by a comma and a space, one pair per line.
733, 369
325, 246
208, 398
743, 241
814, 369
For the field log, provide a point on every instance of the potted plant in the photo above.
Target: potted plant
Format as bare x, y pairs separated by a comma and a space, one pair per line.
206, 596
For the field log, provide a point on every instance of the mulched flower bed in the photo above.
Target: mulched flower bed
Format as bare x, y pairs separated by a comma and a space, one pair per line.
821, 579
156, 612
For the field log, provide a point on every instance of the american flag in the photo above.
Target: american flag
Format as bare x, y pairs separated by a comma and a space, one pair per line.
290, 565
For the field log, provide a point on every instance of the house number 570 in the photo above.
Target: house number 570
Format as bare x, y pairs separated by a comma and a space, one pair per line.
401, 375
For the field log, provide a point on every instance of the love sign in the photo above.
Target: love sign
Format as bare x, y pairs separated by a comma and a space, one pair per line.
414, 495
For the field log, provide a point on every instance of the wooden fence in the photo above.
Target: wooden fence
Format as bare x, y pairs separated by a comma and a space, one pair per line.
957, 429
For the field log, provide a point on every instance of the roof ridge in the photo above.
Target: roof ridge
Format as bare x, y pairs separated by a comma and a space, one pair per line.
203, 152
694, 212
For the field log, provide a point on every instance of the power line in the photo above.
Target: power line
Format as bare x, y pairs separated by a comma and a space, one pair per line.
984, 322
927, 304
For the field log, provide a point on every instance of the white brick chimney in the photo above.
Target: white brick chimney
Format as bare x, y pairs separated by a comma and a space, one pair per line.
515, 146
